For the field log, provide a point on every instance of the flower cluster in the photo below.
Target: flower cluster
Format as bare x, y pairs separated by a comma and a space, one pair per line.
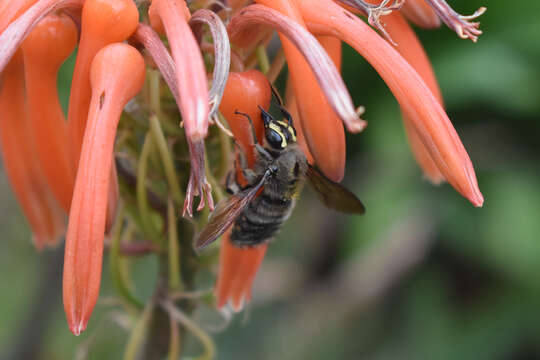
116, 164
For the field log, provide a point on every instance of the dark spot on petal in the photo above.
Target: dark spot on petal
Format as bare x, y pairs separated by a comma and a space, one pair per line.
347, 14
101, 100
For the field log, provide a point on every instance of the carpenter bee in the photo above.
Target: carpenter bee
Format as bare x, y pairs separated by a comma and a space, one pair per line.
257, 211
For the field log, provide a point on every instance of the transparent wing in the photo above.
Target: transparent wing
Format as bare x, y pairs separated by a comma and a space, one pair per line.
225, 213
334, 195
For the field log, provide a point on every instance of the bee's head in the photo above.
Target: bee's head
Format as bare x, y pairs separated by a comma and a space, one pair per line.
278, 133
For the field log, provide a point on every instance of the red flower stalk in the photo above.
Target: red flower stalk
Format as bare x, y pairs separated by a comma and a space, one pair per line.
431, 122
48, 123
172, 17
18, 152
103, 22
239, 265
117, 75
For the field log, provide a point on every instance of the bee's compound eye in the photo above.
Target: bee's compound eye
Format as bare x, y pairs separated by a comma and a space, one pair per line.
275, 139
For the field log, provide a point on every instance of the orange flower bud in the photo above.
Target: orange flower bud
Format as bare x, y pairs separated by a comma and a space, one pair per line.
18, 152
103, 22
117, 75
47, 119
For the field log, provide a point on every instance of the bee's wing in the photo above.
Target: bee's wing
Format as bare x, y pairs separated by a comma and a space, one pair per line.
334, 195
225, 213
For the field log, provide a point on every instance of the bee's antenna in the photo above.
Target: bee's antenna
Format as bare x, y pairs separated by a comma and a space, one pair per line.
280, 106
266, 116
276, 95
251, 124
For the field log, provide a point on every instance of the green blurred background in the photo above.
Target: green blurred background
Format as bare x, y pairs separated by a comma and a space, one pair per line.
423, 275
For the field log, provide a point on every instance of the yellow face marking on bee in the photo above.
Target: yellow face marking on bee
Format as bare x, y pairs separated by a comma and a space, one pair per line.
289, 128
277, 129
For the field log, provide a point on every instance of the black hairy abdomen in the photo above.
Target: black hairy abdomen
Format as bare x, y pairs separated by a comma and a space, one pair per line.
261, 219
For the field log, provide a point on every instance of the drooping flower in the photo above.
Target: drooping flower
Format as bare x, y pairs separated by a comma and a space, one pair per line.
117, 75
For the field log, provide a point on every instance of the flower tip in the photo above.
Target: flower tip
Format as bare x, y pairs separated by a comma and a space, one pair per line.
77, 327
477, 200
357, 126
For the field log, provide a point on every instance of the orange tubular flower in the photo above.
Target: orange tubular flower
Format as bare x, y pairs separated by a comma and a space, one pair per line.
409, 47
18, 152
238, 266
431, 122
47, 119
172, 17
117, 75
103, 22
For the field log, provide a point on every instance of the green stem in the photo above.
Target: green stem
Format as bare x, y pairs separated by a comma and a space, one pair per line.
142, 201
137, 336
166, 158
225, 146
192, 327
174, 342
262, 59
174, 252
155, 102
118, 276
